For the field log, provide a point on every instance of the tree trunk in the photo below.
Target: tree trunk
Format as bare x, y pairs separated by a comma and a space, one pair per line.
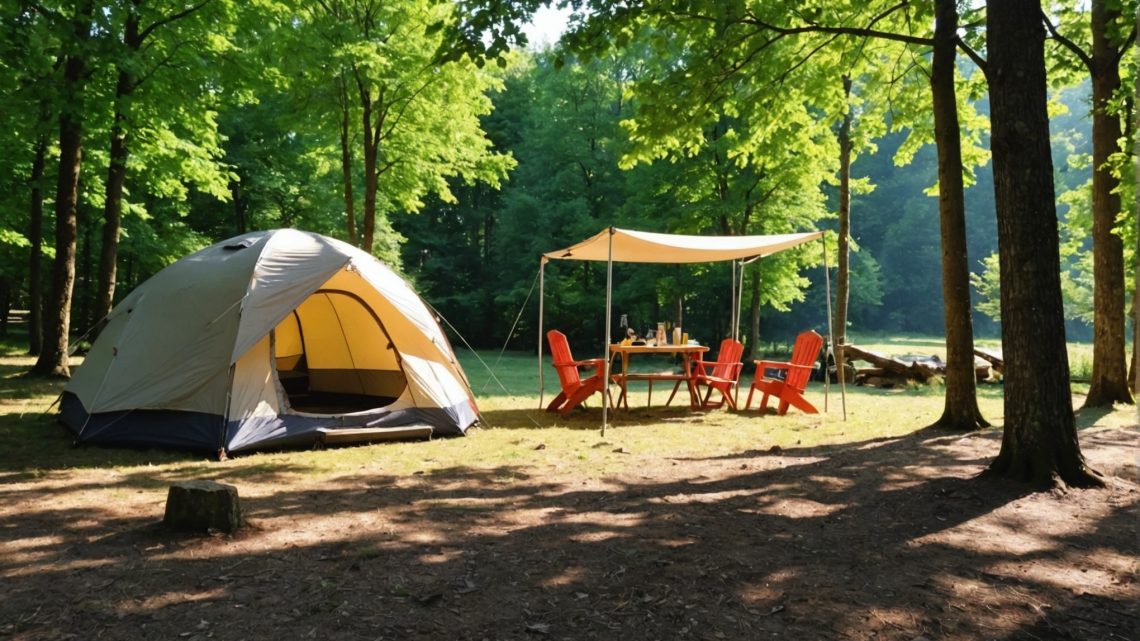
1134, 117
36, 254
961, 408
5, 303
113, 201
1109, 373
84, 278
346, 165
371, 134
53, 359
843, 277
1039, 442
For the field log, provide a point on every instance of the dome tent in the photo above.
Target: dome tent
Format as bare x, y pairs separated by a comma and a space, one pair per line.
271, 339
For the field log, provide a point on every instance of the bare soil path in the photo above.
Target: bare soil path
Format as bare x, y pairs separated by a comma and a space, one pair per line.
888, 539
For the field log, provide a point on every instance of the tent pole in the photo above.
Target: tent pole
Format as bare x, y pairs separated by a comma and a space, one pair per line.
739, 301
830, 333
733, 309
609, 306
827, 347
541, 300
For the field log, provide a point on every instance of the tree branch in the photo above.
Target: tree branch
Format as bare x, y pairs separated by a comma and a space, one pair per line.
1076, 49
1126, 44
972, 55
864, 32
172, 18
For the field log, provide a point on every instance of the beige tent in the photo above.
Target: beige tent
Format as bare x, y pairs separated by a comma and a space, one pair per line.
271, 339
614, 245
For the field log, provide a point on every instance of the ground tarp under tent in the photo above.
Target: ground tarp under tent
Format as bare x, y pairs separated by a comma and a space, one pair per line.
271, 339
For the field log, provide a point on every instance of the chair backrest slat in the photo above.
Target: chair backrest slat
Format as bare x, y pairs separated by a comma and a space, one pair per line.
562, 360
804, 352
728, 356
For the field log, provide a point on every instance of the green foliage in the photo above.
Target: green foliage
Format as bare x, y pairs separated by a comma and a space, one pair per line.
683, 116
987, 283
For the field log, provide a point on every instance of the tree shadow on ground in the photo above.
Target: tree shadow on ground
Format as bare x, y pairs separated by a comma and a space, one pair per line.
882, 539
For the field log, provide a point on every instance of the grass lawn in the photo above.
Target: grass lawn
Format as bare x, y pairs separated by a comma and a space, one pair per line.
506, 389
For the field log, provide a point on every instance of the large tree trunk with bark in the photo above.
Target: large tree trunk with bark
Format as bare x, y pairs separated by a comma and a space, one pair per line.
346, 163
1109, 372
84, 293
36, 253
1039, 442
371, 177
843, 277
961, 410
1134, 121
53, 359
116, 179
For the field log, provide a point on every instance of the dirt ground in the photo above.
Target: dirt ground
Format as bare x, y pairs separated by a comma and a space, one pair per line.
889, 539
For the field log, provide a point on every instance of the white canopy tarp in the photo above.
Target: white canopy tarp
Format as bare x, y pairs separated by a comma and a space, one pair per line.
615, 245
631, 246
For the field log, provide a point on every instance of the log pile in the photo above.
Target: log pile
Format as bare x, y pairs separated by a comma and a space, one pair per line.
892, 371
991, 357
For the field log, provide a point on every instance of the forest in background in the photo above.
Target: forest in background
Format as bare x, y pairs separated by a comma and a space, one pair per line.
239, 120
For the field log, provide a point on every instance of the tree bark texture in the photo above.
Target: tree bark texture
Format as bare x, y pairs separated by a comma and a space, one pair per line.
346, 164
961, 409
83, 293
117, 166
843, 276
1109, 371
1134, 117
113, 202
1039, 442
36, 253
5, 303
371, 134
53, 358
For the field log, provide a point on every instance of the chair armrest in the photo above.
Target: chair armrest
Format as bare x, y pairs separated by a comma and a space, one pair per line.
591, 362
701, 368
734, 368
763, 365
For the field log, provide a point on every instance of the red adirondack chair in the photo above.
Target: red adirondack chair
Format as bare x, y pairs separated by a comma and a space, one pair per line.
575, 389
790, 390
720, 375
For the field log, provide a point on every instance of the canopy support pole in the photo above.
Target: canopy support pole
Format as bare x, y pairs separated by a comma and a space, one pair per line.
609, 306
830, 333
541, 299
738, 297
